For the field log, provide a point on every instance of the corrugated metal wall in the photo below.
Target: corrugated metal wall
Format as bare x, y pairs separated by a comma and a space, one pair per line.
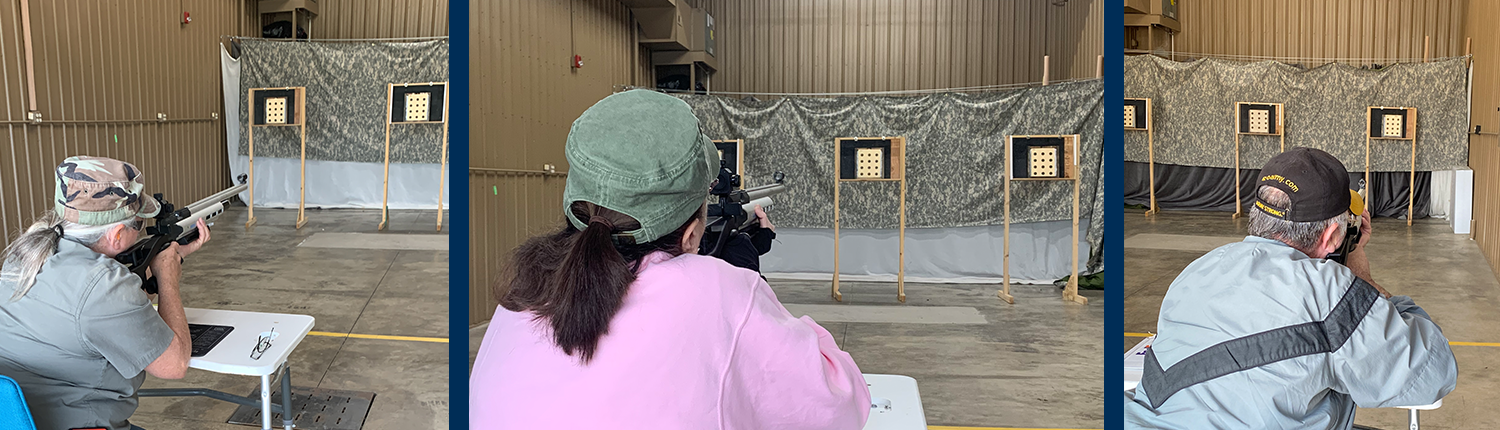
103, 72
1322, 29
815, 46
380, 19
524, 97
1484, 149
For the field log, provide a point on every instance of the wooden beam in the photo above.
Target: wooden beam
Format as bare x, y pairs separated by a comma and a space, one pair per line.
302, 187
442, 171
1046, 69
1070, 293
385, 188
250, 135
1004, 294
836, 295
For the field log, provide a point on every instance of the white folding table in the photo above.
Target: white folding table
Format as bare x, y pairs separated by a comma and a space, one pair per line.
1135, 363
232, 356
895, 403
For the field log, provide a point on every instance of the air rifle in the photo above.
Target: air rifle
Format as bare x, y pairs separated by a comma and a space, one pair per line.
173, 225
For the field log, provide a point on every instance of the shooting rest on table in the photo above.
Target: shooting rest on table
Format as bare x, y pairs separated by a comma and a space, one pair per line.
417, 106
895, 403
232, 357
1135, 363
269, 108
875, 159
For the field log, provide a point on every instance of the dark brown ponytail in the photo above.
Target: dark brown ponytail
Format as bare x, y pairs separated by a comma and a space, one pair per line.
577, 280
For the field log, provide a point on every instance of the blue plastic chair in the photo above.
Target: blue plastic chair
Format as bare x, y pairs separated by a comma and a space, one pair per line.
13, 412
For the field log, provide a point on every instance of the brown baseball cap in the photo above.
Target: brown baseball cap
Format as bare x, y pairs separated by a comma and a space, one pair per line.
100, 191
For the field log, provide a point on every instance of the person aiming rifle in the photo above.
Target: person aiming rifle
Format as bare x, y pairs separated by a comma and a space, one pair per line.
615, 321
77, 330
1272, 333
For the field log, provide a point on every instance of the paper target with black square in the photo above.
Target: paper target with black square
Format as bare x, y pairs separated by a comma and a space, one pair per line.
414, 104
858, 159
1393, 122
1043, 157
732, 152
1259, 118
871, 159
418, 103
277, 106
1137, 114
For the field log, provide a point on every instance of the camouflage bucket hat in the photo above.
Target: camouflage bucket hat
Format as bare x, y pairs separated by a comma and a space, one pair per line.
100, 191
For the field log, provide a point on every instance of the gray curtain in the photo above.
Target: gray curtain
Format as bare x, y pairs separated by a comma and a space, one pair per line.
346, 97
955, 153
1325, 109
1211, 188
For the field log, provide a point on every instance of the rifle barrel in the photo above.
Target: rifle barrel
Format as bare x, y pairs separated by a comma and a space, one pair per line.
752, 194
207, 209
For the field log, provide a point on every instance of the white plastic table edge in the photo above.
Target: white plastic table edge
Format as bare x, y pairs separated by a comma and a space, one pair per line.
886, 380
290, 330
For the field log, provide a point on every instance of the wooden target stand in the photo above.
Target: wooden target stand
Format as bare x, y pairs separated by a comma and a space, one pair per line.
1256, 119
418, 106
1393, 123
1138, 117
1050, 158
278, 107
876, 159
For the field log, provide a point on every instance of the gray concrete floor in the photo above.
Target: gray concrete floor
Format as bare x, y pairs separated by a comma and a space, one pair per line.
361, 291
1034, 365
1444, 273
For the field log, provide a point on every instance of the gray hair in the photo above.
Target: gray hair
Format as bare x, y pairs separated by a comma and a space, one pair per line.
1303, 236
24, 257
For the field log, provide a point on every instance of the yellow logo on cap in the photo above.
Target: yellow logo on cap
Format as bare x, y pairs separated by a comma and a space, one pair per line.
1281, 179
1269, 210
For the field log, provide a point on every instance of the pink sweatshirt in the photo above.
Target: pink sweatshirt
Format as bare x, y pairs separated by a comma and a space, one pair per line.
698, 344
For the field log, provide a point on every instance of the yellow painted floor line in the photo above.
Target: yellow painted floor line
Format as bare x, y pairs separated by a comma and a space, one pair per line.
380, 336
1473, 343
1454, 343
993, 428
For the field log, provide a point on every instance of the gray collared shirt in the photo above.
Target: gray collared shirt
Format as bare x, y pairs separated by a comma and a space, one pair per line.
1394, 354
79, 341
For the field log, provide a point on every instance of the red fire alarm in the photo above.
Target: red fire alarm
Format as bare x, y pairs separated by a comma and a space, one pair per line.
578, 61
186, 18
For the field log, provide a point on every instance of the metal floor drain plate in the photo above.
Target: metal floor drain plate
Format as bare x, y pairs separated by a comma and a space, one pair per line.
315, 408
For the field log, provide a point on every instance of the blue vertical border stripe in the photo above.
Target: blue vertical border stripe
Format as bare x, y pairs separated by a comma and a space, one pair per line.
458, 215
1113, 243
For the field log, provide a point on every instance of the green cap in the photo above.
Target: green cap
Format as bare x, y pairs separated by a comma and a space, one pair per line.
100, 191
639, 153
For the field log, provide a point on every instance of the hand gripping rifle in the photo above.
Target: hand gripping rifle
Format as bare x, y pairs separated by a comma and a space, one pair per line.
1351, 227
173, 225
735, 209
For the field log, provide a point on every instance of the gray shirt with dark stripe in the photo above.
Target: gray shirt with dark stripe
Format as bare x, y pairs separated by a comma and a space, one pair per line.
1386, 353
79, 341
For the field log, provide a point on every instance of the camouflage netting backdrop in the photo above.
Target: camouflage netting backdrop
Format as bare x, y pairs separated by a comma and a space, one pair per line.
346, 92
955, 146
1325, 109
